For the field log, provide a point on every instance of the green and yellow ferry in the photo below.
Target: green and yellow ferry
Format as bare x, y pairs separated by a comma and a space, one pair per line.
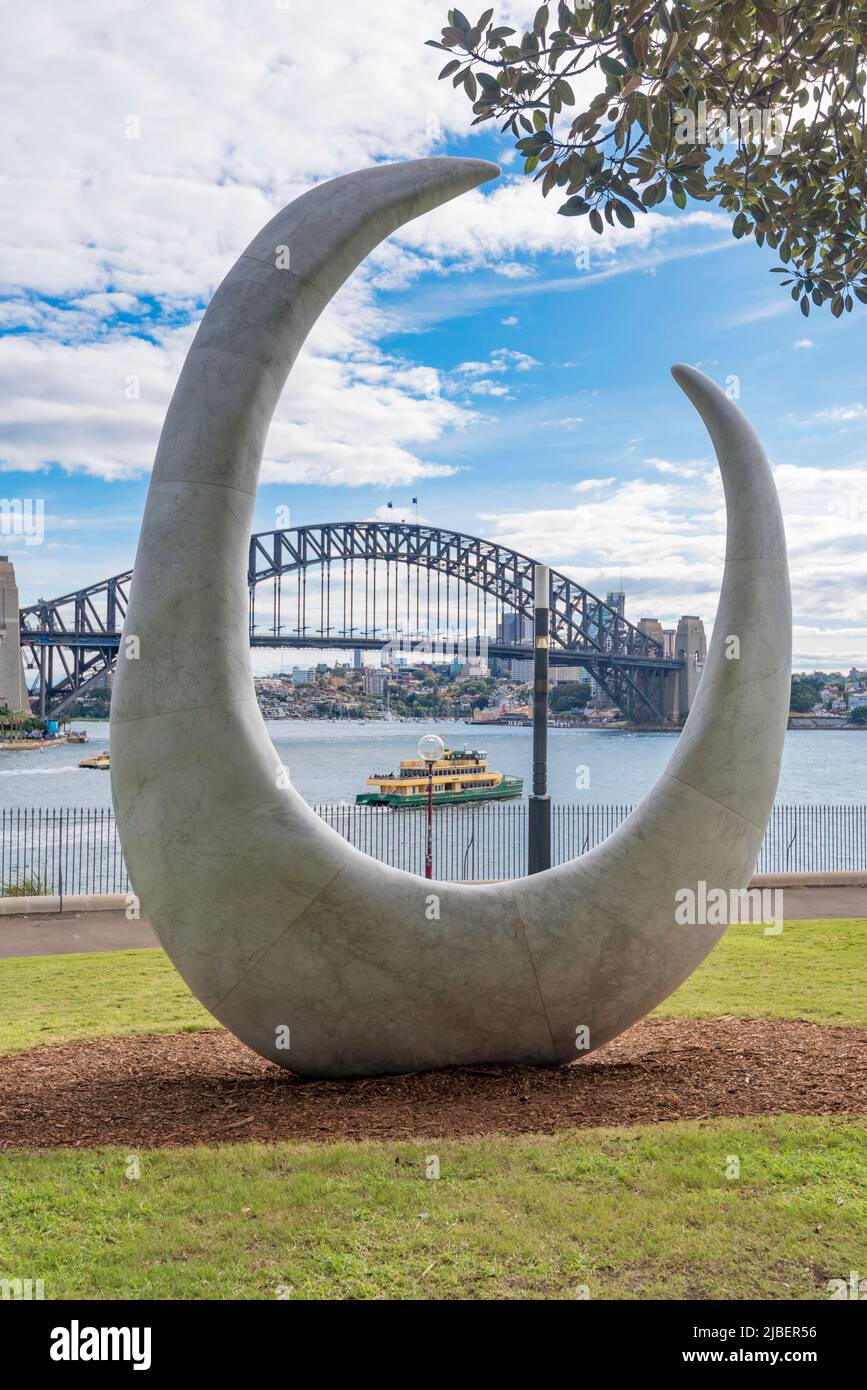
100, 763
459, 775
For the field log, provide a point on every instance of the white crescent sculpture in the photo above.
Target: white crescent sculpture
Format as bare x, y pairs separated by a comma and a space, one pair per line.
283, 930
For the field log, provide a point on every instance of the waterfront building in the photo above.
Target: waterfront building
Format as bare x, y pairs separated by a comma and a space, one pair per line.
13, 691
374, 682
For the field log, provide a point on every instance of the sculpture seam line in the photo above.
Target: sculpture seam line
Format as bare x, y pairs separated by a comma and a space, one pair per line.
202, 482
672, 777
185, 709
276, 942
525, 932
302, 279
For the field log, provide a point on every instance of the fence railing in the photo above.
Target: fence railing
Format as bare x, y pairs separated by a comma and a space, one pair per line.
60, 852
77, 850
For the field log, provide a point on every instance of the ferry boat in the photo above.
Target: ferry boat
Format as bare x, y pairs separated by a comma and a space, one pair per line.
98, 764
459, 775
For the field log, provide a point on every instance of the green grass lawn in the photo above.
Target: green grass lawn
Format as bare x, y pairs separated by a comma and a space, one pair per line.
100, 994
814, 970
638, 1213
629, 1213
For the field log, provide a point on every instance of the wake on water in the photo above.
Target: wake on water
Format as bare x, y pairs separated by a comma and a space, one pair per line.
39, 771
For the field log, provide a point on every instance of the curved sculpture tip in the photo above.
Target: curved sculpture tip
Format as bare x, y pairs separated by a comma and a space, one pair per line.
480, 170
710, 400
451, 175
690, 379
731, 432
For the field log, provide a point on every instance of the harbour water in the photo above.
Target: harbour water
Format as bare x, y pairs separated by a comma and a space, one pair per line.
329, 761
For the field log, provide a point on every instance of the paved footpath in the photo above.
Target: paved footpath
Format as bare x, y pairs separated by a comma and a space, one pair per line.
58, 934
71, 932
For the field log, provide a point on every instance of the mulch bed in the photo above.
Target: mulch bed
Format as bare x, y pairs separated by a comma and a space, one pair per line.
206, 1087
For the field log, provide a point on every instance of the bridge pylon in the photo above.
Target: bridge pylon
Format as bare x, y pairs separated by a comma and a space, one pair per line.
13, 690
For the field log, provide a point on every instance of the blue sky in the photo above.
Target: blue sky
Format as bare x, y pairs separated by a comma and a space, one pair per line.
470, 362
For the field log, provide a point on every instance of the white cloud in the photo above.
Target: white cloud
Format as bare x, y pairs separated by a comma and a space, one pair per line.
513, 270
591, 484
803, 343
677, 470
668, 539
829, 649
354, 415
766, 308
94, 407
567, 422
476, 368
478, 377
229, 123
499, 361
838, 415
116, 302
486, 387
511, 218
521, 361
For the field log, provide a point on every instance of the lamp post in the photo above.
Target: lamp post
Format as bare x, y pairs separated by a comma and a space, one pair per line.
539, 808
430, 748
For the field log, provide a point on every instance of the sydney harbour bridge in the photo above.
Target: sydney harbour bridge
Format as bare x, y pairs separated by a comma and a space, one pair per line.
365, 585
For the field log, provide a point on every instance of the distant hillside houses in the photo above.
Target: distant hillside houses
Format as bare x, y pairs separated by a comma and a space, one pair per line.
829, 696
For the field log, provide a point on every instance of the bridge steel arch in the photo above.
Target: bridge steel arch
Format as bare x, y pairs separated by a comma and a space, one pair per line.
627, 663
73, 640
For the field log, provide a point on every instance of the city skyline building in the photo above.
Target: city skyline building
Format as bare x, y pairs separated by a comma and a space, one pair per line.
514, 630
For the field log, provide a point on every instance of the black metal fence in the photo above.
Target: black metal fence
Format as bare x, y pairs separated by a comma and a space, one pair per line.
71, 851
470, 841
60, 852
